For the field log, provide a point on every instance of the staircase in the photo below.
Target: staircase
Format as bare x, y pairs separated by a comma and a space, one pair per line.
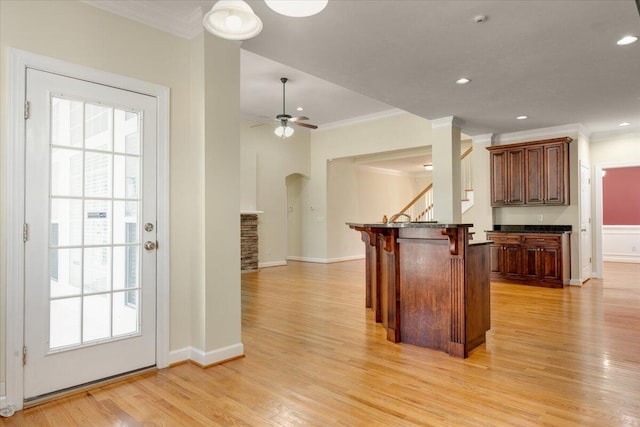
420, 208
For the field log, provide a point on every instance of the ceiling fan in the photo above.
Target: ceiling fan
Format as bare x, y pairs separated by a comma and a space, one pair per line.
286, 120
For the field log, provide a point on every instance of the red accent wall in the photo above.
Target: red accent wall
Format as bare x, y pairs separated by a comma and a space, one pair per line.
621, 196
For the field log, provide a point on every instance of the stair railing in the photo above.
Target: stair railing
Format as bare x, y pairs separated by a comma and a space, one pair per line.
420, 208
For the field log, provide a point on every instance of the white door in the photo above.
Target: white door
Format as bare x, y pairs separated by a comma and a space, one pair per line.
90, 206
585, 222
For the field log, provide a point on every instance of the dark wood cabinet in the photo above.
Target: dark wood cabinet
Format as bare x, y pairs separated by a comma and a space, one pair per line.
530, 258
530, 174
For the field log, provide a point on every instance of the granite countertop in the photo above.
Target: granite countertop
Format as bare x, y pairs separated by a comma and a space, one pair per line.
534, 228
414, 224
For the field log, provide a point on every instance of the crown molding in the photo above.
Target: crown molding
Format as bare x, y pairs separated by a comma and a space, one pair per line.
151, 13
451, 121
543, 133
361, 119
486, 138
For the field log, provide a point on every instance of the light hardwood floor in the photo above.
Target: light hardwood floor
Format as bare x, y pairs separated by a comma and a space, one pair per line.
314, 356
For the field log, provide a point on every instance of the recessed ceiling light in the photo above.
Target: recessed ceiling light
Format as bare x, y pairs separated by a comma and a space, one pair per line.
463, 81
299, 109
522, 117
627, 40
428, 166
623, 124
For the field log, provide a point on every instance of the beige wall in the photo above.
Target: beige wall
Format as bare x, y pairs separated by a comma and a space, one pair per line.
204, 80
267, 160
615, 149
393, 133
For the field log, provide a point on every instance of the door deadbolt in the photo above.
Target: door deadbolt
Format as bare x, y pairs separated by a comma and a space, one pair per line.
148, 227
149, 245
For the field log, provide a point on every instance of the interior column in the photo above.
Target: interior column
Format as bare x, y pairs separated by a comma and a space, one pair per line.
447, 191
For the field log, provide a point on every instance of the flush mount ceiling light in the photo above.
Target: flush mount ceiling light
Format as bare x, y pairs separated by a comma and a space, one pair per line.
300, 109
463, 81
297, 8
523, 117
627, 40
623, 124
232, 20
428, 167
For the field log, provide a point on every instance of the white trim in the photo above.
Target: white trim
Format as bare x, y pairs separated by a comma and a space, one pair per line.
251, 212
217, 355
181, 355
613, 257
622, 229
483, 139
576, 282
533, 134
361, 119
384, 171
618, 133
208, 358
19, 61
441, 122
325, 260
271, 264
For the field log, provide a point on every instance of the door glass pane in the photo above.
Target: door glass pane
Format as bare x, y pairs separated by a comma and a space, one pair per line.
98, 133
65, 272
66, 219
96, 320
97, 223
66, 122
125, 222
125, 267
98, 178
126, 133
66, 172
64, 322
126, 173
97, 270
125, 313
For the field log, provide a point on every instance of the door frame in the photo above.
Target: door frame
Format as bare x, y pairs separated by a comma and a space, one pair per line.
598, 207
14, 162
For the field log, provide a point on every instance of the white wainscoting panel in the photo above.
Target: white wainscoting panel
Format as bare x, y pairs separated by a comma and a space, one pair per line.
621, 243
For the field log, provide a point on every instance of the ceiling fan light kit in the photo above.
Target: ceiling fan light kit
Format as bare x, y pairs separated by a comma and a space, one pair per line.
232, 20
297, 8
284, 131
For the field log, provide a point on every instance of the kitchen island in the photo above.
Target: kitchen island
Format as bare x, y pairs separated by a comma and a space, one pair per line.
427, 284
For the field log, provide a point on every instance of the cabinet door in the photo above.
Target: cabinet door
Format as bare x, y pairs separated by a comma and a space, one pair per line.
534, 176
495, 255
530, 262
550, 266
555, 176
499, 180
511, 260
515, 187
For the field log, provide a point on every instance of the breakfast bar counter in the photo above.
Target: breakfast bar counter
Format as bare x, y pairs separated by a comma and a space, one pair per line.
427, 284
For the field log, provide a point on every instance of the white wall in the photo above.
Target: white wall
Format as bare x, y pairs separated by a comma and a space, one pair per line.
267, 160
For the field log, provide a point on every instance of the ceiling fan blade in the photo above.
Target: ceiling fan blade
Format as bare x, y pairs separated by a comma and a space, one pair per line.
258, 125
297, 119
305, 125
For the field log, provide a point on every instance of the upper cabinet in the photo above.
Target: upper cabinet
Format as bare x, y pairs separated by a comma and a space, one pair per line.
530, 174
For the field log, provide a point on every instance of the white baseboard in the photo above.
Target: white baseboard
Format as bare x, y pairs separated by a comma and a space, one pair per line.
271, 264
575, 282
325, 260
208, 358
635, 259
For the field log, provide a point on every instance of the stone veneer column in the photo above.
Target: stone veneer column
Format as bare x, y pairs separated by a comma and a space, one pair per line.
248, 242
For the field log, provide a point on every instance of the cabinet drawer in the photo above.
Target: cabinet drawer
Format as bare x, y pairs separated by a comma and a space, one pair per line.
542, 240
502, 239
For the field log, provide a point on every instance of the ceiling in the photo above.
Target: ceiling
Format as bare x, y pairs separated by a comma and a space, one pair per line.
554, 61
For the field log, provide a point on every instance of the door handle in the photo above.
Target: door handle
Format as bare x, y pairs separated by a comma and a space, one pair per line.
149, 245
